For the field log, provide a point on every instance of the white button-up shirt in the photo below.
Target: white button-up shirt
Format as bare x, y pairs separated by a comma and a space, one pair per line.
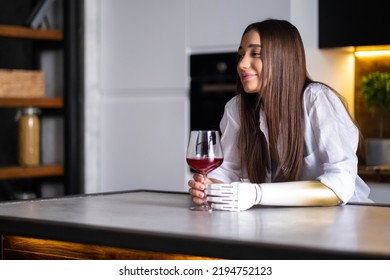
331, 141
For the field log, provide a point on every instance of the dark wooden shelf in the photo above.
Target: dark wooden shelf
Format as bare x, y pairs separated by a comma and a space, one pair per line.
66, 39
20, 172
46, 102
30, 33
369, 175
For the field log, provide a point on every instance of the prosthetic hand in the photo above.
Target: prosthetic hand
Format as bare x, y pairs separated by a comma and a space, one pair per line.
233, 197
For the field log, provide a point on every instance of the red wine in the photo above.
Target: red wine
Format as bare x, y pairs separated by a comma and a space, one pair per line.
204, 165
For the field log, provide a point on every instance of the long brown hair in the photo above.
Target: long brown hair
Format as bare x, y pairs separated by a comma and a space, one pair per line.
284, 69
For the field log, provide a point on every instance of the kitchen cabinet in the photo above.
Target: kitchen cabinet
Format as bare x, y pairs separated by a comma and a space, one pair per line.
66, 106
142, 114
25, 248
346, 23
218, 25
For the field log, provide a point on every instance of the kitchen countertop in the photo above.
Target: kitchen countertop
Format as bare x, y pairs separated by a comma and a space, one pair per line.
162, 222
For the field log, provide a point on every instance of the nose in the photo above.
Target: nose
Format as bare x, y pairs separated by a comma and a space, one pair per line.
243, 63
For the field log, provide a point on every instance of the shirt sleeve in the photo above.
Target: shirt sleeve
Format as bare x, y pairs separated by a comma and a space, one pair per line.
230, 170
337, 139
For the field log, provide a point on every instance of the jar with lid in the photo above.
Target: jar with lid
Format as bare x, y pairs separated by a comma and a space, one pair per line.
29, 137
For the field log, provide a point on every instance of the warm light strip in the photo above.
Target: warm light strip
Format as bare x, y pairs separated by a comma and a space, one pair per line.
372, 53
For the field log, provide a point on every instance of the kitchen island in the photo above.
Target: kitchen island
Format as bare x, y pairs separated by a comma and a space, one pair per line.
151, 224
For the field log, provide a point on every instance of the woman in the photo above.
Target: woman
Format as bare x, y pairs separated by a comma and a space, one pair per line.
290, 137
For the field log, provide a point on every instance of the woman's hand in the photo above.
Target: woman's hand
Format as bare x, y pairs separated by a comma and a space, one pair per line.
197, 186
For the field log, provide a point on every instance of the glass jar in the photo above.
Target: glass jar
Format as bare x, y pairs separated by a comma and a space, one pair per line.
29, 137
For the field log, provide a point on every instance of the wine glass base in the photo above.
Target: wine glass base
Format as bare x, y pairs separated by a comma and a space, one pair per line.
203, 207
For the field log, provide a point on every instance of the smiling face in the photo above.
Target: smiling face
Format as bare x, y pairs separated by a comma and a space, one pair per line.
250, 65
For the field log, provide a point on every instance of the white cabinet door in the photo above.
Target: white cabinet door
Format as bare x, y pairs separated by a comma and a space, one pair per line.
143, 44
144, 104
218, 24
144, 142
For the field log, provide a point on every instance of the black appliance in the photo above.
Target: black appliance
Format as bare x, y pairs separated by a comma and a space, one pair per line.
213, 83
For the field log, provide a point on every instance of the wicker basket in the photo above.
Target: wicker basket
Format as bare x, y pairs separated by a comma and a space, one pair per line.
21, 84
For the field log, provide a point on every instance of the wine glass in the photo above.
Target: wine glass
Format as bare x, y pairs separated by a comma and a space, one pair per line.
204, 154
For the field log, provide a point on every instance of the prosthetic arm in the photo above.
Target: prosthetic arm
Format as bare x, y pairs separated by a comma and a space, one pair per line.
242, 196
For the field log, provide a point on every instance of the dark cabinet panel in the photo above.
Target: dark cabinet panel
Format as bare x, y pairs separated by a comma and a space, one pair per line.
352, 23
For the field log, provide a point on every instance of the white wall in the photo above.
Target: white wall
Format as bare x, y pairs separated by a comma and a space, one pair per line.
92, 97
137, 77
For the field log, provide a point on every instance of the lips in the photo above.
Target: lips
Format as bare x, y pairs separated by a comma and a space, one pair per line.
247, 76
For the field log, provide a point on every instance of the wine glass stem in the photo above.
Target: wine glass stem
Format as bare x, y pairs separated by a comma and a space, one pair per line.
204, 191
